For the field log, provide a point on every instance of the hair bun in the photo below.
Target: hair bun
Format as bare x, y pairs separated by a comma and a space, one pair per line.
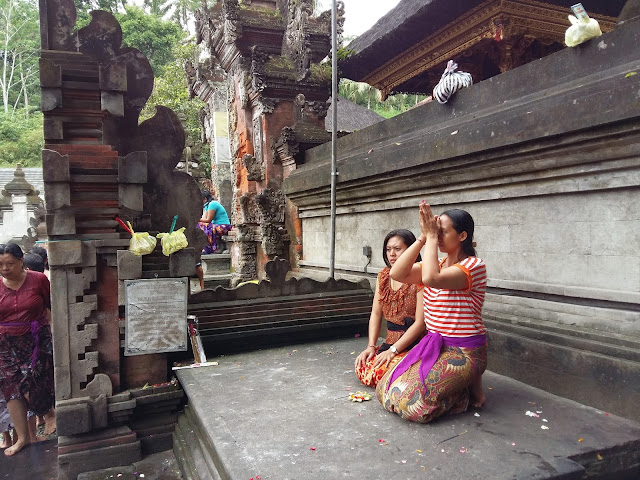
474, 244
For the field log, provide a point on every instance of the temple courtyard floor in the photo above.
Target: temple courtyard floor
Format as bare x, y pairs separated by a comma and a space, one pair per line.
285, 413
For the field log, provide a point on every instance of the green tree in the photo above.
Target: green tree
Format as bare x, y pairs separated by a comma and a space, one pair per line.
170, 89
151, 35
21, 140
19, 51
159, 8
370, 97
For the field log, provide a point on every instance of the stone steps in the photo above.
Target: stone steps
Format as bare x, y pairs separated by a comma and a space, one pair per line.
193, 449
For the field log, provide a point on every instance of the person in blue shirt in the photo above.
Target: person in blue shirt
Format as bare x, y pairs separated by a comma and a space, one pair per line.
214, 222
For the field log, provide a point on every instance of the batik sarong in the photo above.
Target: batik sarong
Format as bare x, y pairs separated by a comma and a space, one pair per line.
370, 376
445, 389
23, 375
214, 234
5, 420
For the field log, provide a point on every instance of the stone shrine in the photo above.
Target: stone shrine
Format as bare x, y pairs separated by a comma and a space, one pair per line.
19, 205
277, 91
99, 164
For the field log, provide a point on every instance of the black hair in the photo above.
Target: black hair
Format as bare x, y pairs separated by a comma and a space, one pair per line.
206, 194
42, 252
34, 262
407, 237
463, 222
11, 248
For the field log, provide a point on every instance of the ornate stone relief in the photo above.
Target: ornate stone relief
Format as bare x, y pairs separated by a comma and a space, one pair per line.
249, 211
286, 147
320, 109
259, 57
257, 138
273, 239
232, 27
296, 43
255, 167
272, 205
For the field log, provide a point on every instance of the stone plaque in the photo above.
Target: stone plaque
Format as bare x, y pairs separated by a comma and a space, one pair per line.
156, 316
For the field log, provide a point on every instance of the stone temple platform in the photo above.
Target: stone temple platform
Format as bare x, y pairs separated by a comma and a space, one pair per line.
284, 413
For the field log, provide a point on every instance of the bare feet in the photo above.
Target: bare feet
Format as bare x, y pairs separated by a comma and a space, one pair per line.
478, 396
50, 422
16, 447
6, 440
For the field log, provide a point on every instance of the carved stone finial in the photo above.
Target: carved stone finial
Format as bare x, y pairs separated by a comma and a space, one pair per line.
19, 185
277, 269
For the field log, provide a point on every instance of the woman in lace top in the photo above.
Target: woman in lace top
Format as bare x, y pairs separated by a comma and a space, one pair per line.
400, 305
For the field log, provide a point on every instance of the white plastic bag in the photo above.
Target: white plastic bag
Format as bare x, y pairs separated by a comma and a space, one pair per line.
581, 30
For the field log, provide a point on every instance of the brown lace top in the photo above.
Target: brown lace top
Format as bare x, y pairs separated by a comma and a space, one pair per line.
397, 305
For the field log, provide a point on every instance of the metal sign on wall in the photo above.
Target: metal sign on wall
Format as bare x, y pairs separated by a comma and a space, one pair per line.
156, 316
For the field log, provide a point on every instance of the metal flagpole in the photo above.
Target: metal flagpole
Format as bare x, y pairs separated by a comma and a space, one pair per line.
334, 134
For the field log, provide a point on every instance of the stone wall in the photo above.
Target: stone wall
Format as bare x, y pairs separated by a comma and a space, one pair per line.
546, 159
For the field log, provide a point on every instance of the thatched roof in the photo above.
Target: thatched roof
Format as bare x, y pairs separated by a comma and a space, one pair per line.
413, 20
351, 116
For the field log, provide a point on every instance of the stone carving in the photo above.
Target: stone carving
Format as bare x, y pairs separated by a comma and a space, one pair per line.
255, 167
286, 147
273, 239
277, 270
259, 57
232, 27
319, 108
264, 104
296, 44
272, 205
249, 211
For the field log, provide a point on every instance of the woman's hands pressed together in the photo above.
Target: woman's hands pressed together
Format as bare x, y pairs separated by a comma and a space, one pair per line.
429, 223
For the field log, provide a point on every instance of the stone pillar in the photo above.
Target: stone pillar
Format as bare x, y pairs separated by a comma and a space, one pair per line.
277, 94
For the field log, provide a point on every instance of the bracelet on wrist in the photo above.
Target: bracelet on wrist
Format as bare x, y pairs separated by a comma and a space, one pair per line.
374, 346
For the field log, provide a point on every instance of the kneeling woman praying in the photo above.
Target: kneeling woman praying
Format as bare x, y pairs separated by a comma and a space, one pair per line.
400, 305
442, 374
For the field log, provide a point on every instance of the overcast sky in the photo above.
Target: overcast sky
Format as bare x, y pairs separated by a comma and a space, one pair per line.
360, 15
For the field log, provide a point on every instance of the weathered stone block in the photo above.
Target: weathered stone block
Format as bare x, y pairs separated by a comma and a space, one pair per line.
51, 98
112, 102
100, 385
50, 74
99, 411
65, 253
113, 76
183, 263
133, 168
55, 167
129, 265
52, 127
72, 464
130, 196
57, 195
60, 223
73, 419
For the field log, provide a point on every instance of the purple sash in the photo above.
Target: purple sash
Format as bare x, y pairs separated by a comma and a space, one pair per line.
35, 328
428, 350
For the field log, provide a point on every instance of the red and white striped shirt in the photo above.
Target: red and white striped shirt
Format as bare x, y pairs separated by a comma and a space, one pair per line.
457, 313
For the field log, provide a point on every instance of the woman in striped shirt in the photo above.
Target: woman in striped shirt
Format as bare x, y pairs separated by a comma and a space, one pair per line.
443, 373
